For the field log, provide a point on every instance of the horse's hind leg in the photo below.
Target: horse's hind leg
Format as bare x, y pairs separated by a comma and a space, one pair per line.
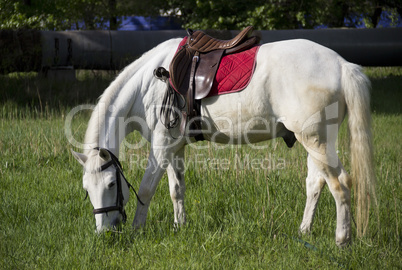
339, 184
322, 155
314, 184
177, 187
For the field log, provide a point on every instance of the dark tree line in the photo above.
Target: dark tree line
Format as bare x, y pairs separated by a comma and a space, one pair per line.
197, 14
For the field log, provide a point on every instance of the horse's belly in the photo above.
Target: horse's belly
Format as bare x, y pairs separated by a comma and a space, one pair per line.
239, 124
233, 132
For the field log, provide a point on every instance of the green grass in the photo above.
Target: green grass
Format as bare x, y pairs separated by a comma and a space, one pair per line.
238, 217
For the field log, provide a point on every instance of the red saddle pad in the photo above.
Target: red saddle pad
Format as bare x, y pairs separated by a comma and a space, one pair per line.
234, 72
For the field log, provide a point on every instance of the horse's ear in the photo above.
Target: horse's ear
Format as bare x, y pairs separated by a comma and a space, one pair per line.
104, 154
80, 157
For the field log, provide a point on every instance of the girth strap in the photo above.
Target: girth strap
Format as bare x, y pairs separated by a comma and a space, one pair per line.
193, 129
190, 96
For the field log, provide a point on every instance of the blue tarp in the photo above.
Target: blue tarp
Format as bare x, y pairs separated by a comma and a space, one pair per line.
138, 23
134, 23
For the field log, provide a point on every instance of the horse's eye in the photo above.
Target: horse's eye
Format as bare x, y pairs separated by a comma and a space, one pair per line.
111, 185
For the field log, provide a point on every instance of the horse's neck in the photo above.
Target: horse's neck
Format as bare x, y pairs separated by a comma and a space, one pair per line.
108, 126
130, 96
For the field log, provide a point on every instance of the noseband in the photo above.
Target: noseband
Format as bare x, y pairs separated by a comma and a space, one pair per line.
119, 198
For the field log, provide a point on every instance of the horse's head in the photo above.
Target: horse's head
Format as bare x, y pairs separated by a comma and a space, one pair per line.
102, 181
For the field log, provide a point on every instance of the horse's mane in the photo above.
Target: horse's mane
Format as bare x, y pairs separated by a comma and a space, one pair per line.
109, 95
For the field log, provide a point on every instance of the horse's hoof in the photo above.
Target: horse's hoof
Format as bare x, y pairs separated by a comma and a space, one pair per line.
344, 243
304, 231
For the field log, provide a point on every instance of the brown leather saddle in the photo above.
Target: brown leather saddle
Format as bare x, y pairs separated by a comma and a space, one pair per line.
193, 69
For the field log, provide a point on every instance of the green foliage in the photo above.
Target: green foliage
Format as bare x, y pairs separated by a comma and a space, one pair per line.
61, 15
238, 218
280, 14
37, 15
197, 14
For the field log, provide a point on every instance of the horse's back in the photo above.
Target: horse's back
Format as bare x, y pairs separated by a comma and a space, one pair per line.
301, 64
293, 80
303, 79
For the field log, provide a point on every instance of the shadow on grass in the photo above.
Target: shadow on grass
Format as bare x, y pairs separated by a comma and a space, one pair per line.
30, 91
386, 91
386, 95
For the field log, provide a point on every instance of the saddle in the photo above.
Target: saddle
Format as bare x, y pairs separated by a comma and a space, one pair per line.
193, 69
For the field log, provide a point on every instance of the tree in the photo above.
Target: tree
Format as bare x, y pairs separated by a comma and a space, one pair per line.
394, 8
62, 15
197, 14
282, 14
235, 14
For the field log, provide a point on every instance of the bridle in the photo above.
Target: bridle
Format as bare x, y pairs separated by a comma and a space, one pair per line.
119, 198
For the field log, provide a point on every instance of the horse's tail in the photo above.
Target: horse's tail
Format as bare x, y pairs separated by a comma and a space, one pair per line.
356, 88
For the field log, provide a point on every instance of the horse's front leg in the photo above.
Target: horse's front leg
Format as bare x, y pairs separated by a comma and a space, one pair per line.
161, 155
177, 187
153, 174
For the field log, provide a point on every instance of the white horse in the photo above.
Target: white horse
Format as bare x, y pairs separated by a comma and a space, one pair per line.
298, 87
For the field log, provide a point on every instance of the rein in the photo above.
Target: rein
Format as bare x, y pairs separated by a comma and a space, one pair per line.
120, 198
171, 109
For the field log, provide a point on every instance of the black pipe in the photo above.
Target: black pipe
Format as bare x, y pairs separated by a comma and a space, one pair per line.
112, 50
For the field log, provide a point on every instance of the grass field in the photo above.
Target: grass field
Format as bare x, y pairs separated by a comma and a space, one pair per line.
239, 216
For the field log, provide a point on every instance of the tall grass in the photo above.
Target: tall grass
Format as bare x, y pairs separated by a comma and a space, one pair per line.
240, 214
